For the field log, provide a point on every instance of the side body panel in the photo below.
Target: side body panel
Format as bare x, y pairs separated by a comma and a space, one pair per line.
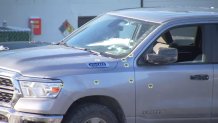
117, 83
214, 38
215, 96
166, 93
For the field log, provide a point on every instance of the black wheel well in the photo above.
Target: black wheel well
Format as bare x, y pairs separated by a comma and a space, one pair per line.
111, 103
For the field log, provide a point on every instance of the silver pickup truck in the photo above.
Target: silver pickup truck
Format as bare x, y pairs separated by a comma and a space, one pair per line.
128, 66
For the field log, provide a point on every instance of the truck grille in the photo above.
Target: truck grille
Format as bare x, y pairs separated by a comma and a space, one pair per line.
6, 90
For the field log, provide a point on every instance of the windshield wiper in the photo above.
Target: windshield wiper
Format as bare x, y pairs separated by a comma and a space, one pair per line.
88, 50
58, 43
84, 49
94, 52
61, 43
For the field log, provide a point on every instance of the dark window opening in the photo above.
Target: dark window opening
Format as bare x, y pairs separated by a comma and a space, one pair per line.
84, 19
187, 40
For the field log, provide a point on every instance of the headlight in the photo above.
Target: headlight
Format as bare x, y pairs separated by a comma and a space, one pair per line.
37, 89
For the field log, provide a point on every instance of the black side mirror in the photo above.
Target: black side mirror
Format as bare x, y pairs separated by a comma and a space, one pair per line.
163, 56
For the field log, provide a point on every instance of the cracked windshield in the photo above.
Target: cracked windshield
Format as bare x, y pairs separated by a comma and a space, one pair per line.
111, 35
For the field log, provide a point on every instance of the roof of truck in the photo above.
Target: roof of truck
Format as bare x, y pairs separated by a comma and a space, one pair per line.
160, 15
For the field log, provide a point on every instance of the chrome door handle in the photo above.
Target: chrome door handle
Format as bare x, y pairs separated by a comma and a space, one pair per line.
199, 77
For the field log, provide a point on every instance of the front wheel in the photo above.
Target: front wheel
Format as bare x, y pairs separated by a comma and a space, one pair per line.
91, 113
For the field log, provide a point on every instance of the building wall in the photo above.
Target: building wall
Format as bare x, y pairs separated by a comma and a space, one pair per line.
187, 3
55, 12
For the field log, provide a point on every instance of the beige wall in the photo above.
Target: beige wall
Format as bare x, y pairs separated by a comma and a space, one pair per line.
187, 3
54, 12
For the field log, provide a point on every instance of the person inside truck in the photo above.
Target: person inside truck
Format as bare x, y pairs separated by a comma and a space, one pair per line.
188, 43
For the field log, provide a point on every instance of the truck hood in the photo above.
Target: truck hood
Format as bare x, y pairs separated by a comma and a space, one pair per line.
54, 61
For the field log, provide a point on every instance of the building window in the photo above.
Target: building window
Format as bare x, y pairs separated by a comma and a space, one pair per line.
84, 19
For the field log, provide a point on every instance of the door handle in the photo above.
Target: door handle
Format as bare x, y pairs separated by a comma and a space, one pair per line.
199, 77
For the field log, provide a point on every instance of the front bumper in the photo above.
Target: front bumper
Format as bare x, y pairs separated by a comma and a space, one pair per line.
9, 115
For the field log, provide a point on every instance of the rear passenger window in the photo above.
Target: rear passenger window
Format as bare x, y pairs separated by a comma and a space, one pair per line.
184, 36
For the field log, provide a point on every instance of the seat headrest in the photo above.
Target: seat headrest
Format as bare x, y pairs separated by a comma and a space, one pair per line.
166, 38
161, 40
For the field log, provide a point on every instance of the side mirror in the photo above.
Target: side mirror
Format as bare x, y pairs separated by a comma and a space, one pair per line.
163, 56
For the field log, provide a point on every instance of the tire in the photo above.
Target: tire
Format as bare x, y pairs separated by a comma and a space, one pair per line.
91, 113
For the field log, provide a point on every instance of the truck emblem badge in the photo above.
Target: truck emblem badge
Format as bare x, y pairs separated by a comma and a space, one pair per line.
152, 112
98, 65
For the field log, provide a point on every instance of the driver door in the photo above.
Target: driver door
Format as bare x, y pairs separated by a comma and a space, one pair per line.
179, 92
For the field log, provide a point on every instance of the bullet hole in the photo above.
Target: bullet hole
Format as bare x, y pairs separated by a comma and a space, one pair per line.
126, 64
96, 82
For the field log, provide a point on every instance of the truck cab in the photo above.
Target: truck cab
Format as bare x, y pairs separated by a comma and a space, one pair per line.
148, 65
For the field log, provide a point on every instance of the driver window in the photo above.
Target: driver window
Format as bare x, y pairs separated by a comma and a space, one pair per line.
186, 40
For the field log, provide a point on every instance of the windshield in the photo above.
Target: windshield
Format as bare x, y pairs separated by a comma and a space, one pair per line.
112, 35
